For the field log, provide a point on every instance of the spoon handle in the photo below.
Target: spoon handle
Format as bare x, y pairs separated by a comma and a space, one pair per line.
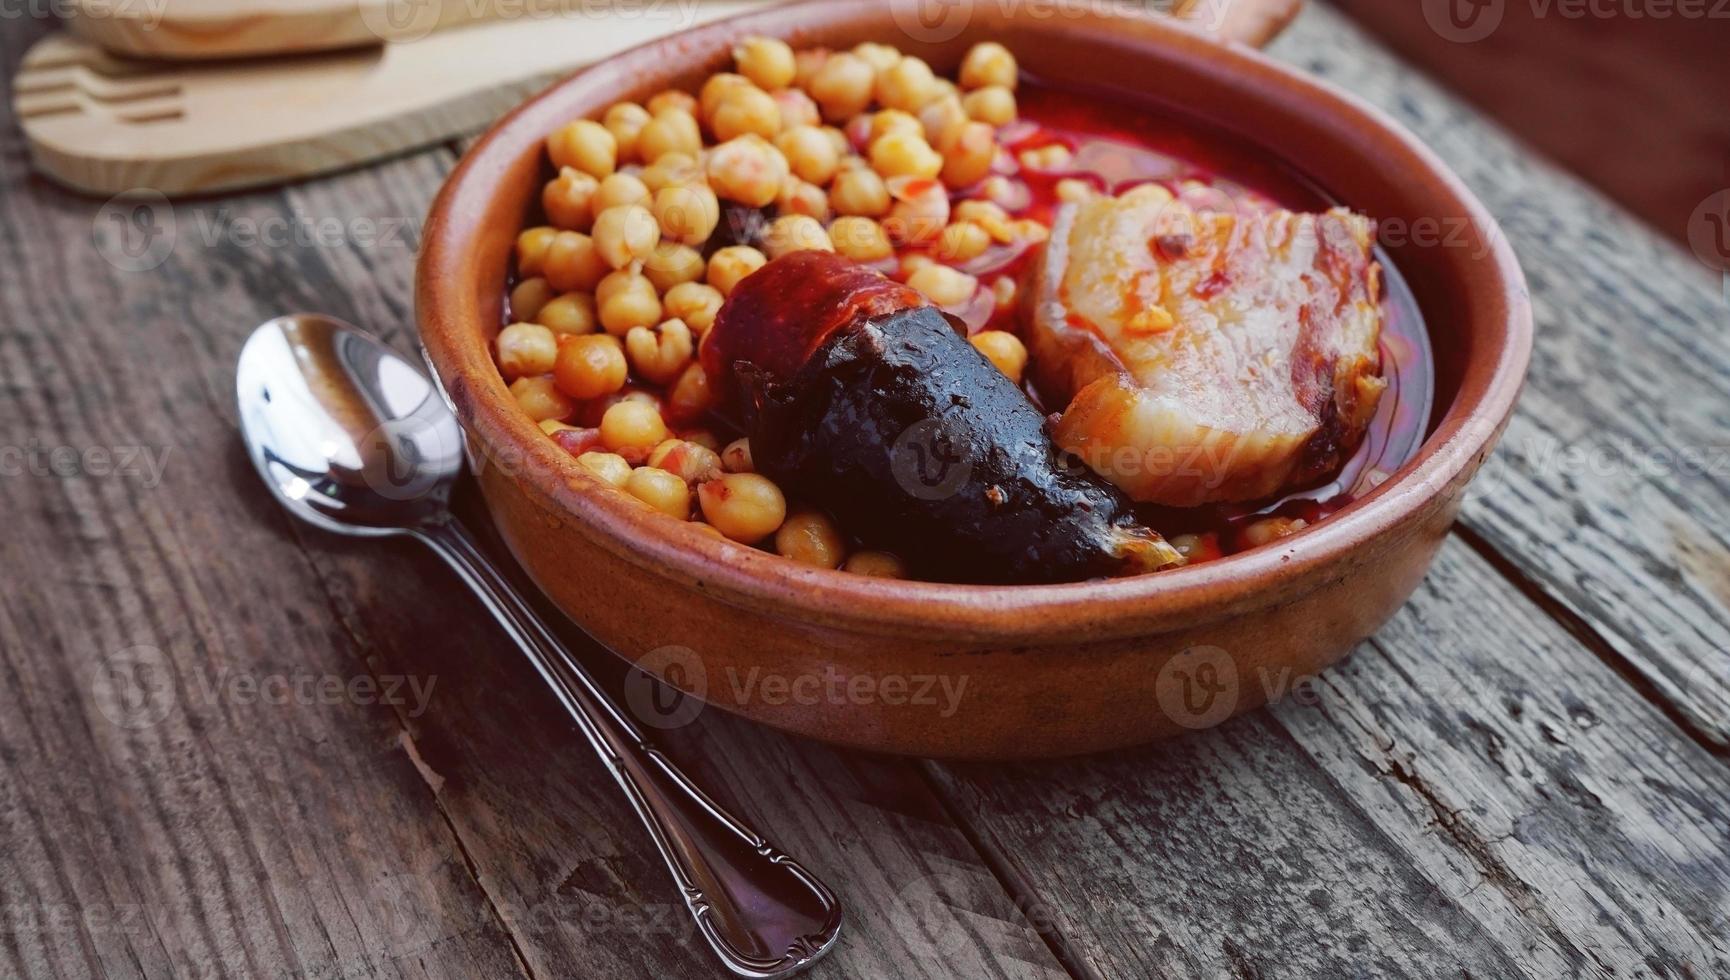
763, 914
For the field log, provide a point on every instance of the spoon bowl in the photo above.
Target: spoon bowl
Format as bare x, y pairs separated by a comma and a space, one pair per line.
347, 434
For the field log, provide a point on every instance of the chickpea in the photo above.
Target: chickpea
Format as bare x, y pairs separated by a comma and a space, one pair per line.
843, 145
526, 348
625, 120
567, 199
920, 211
907, 84
671, 169
994, 104
875, 564
570, 314
940, 118
842, 86
1003, 192
686, 460
553, 427
968, 152
812, 538
626, 234
528, 296
631, 302
1073, 190
671, 100
1272, 529
961, 241
1003, 349
795, 233
1054, 156
806, 61
702, 437
691, 395
660, 355
610, 468
671, 264
799, 197
988, 63
943, 285
905, 154
717, 88
888, 121
733, 263
743, 506
573, 263
809, 153
767, 61
590, 366
1003, 291
532, 246
736, 458
669, 131
632, 424
860, 239
687, 213
797, 109
747, 169
539, 398
618, 190
585, 145
881, 57
989, 216
746, 110
661, 490
859, 191
912, 262
695, 303
1030, 230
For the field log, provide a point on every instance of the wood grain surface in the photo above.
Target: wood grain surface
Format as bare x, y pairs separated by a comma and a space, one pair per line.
1522, 775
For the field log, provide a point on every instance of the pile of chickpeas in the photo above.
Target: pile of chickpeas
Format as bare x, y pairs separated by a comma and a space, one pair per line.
659, 209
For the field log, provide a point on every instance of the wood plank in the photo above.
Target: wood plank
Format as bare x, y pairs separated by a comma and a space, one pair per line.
1473, 793
189, 785
1612, 486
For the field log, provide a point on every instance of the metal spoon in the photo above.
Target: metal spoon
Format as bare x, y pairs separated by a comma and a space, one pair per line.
351, 437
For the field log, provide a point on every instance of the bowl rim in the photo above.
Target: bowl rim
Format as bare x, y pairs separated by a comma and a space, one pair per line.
453, 340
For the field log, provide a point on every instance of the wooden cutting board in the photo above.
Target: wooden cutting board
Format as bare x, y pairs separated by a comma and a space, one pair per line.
207, 29
104, 124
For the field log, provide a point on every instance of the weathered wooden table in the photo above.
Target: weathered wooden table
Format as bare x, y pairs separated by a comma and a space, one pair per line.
233, 747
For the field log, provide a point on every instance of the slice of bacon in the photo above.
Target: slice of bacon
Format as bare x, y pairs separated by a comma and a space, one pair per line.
1206, 354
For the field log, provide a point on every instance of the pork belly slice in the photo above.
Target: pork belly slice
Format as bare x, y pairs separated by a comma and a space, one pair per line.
1206, 354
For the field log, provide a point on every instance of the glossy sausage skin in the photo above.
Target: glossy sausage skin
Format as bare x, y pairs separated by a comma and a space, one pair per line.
871, 405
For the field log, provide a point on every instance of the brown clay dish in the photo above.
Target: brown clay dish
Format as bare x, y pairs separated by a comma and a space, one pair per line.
1040, 670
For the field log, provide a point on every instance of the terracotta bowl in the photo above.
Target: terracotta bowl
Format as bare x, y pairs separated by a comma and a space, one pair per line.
973, 671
